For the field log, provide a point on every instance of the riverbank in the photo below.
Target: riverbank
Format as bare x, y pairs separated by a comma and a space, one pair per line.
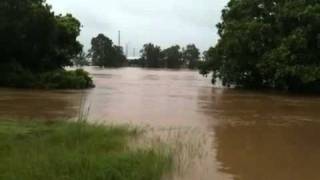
75, 151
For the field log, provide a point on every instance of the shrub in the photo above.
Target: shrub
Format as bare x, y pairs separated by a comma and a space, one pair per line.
13, 75
61, 79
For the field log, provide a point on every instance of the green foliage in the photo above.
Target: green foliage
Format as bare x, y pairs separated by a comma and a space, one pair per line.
172, 57
272, 44
61, 79
75, 151
105, 54
81, 60
191, 56
35, 44
12, 74
32, 36
58, 79
151, 56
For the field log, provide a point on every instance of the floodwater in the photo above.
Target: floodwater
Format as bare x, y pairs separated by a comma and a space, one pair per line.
226, 134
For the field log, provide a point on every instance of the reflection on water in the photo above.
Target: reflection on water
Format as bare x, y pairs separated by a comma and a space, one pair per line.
243, 135
265, 136
269, 152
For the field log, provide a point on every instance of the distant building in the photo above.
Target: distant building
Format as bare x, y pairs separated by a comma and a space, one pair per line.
132, 58
134, 61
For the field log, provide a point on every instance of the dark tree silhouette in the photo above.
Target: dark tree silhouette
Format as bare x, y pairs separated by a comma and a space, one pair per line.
172, 57
191, 55
105, 54
151, 56
36, 45
266, 43
33, 37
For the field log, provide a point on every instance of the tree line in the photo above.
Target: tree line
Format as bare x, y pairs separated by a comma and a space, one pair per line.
268, 44
173, 57
104, 53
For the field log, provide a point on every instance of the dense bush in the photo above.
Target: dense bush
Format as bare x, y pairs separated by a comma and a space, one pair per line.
33, 36
35, 46
12, 74
61, 79
58, 79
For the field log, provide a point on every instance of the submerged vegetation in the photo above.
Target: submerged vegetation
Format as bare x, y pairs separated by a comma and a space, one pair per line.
173, 57
75, 151
273, 44
58, 79
105, 54
35, 42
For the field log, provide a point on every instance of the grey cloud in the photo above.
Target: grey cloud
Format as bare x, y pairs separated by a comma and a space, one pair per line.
163, 22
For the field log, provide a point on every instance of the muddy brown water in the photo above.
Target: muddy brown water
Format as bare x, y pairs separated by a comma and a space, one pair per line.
241, 135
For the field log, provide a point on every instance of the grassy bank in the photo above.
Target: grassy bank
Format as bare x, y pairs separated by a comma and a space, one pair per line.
75, 151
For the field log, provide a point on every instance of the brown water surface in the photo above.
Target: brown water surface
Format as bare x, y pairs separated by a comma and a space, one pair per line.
227, 134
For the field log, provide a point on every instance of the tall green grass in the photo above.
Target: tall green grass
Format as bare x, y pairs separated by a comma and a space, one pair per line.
75, 151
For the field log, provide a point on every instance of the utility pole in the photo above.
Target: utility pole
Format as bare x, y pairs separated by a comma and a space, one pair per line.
119, 38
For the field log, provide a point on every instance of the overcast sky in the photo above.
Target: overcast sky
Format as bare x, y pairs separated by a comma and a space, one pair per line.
162, 22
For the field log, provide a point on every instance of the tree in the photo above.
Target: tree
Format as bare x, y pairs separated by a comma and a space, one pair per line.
34, 38
104, 53
81, 60
151, 56
267, 43
36, 45
191, 56
121, 59
172, 57
67, 45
